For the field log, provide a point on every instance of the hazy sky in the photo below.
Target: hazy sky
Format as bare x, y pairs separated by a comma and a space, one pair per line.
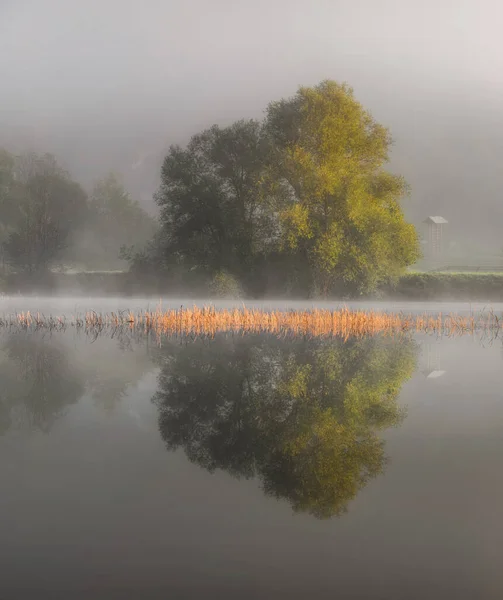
105, 77
62, 60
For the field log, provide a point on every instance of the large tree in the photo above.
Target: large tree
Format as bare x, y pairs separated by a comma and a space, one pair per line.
216, 201
344, 220
302, 198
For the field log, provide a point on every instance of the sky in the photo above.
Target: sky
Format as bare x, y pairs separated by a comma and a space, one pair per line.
62, 61
111, 83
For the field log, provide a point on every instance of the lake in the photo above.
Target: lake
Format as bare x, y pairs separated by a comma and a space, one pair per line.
248, 466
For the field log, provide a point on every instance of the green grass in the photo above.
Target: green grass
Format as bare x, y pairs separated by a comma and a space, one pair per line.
413, 285
448, 285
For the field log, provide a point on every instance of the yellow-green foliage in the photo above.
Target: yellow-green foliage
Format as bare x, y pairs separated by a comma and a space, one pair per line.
345, 208
224, 285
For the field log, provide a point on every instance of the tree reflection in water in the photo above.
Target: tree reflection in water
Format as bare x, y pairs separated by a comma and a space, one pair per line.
41, 375
38, 381
302, 415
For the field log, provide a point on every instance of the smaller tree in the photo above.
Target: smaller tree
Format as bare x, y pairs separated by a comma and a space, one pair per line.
115, 221
7, 197
7, 162
45, 206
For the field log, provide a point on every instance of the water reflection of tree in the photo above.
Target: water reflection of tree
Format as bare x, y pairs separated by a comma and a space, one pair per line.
38, 382
301, 414
41, 375
113, 369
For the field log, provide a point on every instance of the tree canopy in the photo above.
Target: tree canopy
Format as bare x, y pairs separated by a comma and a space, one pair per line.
305, 191
344, 217
217, 209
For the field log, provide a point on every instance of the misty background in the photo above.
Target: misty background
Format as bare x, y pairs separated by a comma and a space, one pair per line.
109, 85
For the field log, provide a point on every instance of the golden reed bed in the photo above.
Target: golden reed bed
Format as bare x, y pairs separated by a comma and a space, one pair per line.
209, 321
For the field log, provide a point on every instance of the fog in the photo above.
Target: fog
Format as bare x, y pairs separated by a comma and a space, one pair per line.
69, 307
110, 84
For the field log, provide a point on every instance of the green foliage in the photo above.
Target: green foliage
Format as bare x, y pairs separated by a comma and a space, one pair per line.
344, 217
6, 174
450, 286
297, 204
148, 268
302, 415
305, 190
225, 285
46, 218
10, 194
215, 200
43, 207
114, 221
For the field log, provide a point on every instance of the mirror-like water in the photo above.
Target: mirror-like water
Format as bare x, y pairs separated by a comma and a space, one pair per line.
250, 466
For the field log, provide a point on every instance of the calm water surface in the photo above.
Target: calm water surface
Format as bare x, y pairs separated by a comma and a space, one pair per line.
251, 467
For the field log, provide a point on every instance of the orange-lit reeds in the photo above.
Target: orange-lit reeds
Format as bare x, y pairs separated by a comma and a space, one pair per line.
209, 321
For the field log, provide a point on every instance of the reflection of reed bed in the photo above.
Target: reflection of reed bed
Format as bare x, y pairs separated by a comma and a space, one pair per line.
209, 321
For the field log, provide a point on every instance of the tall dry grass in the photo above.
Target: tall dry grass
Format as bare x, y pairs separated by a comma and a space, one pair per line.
209, 321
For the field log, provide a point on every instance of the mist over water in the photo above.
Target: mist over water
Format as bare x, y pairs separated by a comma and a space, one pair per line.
72, 306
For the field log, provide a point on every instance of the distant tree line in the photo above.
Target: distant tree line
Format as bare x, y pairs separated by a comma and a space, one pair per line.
299, 203
48, 219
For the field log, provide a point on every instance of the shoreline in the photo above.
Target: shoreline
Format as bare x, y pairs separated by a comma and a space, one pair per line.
413, 286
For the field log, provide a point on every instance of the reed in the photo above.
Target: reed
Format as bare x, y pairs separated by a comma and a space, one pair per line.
209, 321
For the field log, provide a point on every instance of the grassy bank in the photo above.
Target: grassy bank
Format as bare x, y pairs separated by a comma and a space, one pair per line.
449, 286
482, 287
80, 283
